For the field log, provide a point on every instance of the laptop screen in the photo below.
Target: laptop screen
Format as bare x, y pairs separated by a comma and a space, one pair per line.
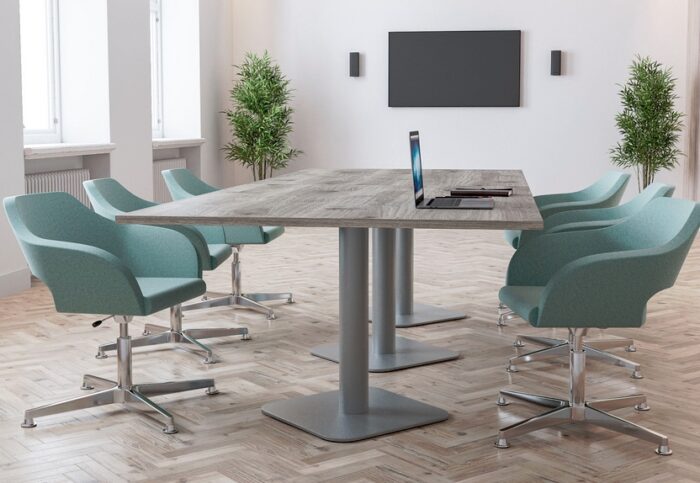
417, 168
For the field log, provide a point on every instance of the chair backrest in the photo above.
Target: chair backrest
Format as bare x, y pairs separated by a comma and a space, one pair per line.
610, 187
636, 259
183, 184
615, 213
90, 263
109, 198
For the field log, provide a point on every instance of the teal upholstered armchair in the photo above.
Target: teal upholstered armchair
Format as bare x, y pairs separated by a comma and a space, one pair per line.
604, 193
92, 265
109, 199
597, 279
183, 184
588, 219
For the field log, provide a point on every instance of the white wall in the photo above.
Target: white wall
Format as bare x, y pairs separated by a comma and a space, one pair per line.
14, 275
215, 47
561, 135
129, 42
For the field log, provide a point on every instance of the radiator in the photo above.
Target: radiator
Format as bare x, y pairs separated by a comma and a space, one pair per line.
69, 180
160, 191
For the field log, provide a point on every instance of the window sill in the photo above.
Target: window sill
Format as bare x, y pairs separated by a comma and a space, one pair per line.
62, 150
173, 143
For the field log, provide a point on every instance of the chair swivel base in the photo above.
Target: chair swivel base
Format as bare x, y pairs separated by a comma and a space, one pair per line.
564, 412
114, 393
250, 301
156, 335
595, 349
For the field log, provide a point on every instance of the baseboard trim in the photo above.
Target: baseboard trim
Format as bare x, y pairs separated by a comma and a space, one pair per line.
14, 282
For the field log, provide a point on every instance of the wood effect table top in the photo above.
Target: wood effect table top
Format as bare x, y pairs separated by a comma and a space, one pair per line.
362, 198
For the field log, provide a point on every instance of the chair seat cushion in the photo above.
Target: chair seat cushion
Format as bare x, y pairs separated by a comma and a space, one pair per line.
218, 255
161, 293
523, 300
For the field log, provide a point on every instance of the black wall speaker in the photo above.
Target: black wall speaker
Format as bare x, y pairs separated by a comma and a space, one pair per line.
354, 64
556, 62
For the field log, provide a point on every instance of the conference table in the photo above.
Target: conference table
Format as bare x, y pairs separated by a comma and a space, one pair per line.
355, 201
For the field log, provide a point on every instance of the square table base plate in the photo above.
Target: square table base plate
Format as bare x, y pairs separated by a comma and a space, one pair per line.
424, 314
409, 353
320, 415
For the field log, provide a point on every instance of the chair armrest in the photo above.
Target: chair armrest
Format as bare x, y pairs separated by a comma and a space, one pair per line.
584, 225
544, 200
606, 290
243, 234
539, 258
155, 251
83, 278
552, 209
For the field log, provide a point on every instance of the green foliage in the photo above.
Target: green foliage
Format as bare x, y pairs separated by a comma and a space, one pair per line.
260, 119
649, 124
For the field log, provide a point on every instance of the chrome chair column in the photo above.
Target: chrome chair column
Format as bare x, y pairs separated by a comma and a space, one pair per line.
595, 348
576, 409
156, 335
238, 299
122, 390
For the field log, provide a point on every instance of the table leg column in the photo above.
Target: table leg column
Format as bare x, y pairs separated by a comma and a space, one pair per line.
354, 353
389, 352
355, 411
408, 313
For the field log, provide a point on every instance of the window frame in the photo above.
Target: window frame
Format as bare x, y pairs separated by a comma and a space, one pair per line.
157, 125
50, 136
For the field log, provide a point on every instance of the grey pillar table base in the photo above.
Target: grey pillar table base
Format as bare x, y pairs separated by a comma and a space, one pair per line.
408, 353
320, 415
424, 314
408, 313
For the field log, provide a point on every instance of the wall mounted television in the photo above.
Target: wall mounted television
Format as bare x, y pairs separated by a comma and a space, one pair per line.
454, 69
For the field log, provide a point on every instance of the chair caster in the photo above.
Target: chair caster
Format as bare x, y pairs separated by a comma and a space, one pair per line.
210, 359
86, 387
642, 407
28, 424
100, 355
518, 343
169, 429
246, 337
146, 332
637, 375
501, 443
501, 321
291, 300
630, 348
501, 401
211, 391
511, 368
664, 450
271, 316
204, 298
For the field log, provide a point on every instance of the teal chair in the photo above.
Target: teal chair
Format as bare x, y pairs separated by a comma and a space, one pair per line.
94, 266
182, 184
578, 220
109, 199
588, 219
596, 279
604, 193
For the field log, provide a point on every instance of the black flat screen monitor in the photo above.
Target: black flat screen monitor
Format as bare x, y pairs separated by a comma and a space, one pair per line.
454, 69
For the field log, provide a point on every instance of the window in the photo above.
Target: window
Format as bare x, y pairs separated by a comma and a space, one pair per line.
40, 71
156, 69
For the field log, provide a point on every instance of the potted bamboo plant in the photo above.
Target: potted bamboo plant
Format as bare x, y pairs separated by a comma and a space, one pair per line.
261, 118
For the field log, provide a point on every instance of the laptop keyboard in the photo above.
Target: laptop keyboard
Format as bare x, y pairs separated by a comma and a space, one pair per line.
446, 202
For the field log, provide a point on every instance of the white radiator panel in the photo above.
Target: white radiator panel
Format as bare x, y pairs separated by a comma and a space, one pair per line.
160, 191
69, 180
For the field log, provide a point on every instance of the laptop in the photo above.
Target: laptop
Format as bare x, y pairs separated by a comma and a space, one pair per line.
441, 202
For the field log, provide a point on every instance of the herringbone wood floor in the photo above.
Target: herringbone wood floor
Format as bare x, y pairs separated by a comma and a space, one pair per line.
226, 438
